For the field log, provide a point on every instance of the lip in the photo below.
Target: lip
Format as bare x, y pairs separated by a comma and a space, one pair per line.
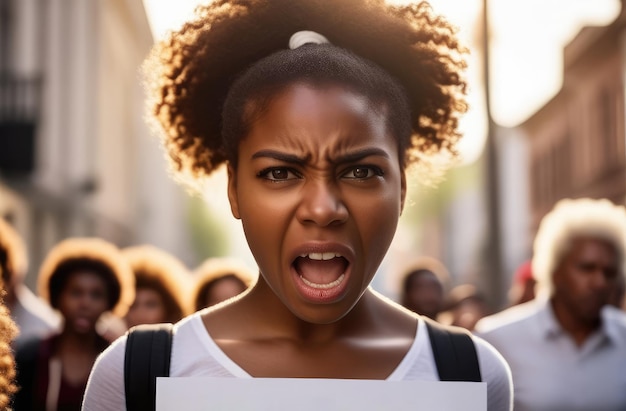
322, 295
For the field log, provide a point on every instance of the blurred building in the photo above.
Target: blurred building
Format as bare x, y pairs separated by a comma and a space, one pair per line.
573, 146
76, 158
577, 139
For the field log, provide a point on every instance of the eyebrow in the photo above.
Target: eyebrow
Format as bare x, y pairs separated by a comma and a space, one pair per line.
278, 155
360, 154
344, 158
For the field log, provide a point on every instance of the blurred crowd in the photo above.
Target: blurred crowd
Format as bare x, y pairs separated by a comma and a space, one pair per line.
564, 326
90, 292
564, 332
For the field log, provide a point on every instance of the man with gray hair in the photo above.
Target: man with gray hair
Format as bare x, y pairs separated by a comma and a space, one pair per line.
567, 348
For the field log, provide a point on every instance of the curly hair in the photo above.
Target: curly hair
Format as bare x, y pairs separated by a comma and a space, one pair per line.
94, 254
189, 74
158, 270
8, 331
13, 257
571, 219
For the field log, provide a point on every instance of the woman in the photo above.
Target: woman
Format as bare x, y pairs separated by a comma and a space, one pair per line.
82, 278
316, 108
162, 286
425, 287
219, 279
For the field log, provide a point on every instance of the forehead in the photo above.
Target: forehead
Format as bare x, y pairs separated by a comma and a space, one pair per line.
591, 247
302, 96
301, 111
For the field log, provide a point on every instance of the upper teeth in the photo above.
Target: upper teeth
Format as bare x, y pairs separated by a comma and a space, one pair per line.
321, 256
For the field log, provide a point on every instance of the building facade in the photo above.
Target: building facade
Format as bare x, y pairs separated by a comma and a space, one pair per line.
577, 140
76, 157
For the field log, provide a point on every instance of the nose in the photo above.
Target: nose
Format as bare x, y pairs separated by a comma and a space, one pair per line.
321, 204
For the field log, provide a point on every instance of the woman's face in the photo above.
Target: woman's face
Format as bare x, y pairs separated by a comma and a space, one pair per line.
148, 308
319, 190
82, 300
223, 289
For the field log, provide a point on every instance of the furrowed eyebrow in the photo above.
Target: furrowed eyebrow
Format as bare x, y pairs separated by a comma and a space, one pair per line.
277, 155
351, 157
359, 155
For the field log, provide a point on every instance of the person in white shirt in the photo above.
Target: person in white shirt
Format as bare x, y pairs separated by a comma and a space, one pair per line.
316, 108
567, 348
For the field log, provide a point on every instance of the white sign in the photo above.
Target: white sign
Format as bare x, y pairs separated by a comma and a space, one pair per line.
255, 394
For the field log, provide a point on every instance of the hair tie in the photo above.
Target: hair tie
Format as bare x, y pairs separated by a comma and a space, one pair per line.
303, 37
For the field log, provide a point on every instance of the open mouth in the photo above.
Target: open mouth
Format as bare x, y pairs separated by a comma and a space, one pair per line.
322, 275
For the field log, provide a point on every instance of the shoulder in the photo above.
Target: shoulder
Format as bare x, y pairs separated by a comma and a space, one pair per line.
496, 373
105, 388
508, 319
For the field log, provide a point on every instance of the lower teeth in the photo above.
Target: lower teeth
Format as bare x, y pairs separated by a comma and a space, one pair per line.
323, 286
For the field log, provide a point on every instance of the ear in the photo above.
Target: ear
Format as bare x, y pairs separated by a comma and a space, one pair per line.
232, 191
402, 191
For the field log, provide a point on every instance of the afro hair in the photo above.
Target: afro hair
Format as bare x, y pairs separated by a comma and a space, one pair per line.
213, 269
189, 74
159, 270
94, 254
571, 219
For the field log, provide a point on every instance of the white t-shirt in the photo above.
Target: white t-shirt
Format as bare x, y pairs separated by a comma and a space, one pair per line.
194, 353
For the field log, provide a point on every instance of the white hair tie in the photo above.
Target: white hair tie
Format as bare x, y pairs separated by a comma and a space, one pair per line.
303, 37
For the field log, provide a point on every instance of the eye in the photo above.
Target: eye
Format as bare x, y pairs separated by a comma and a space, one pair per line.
363, 172
278, 174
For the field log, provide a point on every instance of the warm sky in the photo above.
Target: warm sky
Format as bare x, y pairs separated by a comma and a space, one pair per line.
526, 50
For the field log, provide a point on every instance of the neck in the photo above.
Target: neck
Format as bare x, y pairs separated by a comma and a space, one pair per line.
578, 328
277, 321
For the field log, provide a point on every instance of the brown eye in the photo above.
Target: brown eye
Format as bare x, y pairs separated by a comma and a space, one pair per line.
279, 174
361, 172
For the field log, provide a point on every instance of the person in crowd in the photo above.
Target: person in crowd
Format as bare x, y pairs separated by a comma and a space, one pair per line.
464, 307
218, 280
523, 286
425, 287
33, 316
567, 347
162, 286
316, 108
8, 332
81, 278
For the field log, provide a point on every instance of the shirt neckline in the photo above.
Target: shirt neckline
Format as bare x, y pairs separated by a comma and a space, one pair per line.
225, 361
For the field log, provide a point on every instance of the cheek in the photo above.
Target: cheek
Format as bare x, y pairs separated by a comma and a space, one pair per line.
265, 219
377, 221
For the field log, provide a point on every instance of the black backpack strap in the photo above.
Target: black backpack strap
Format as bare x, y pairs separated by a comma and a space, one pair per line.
148, 353
454, 352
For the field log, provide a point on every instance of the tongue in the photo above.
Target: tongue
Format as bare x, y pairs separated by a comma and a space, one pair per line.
320, 272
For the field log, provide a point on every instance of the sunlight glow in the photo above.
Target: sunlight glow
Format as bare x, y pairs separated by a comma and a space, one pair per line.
526, 51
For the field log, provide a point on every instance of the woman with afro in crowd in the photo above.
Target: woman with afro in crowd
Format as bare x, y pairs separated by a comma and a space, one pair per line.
81, 278
219, 279
162, 286
316, 108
